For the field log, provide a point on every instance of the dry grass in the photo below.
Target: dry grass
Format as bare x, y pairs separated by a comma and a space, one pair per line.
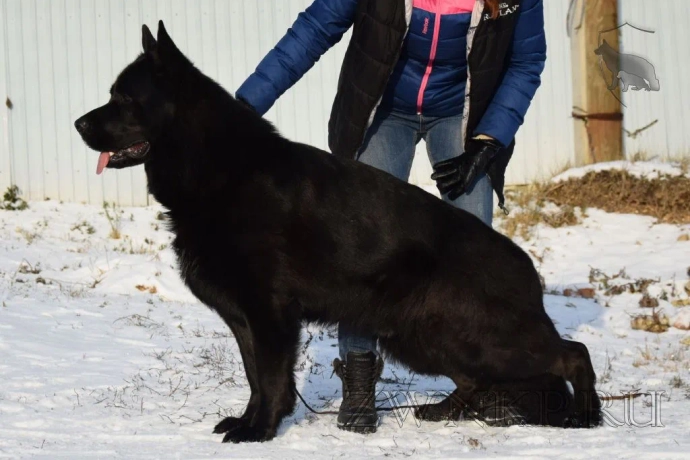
619, 283
28, 235
530, 208
667, 198
114, 216
656, 322
84, 227
668, 358
150, 289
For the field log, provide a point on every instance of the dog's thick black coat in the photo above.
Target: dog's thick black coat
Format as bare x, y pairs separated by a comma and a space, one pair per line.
271, 233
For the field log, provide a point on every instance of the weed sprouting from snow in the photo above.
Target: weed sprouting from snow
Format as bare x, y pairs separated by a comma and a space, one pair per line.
114, 216
676, 382
27, 269
12, 201
474, 444
646, 356
616, 288
605, 376
140, 321
29, 236
673, 359
621, 283
84, 227
128, 246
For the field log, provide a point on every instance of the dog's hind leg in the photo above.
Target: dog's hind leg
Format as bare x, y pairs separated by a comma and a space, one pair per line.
243, 335
575, 366
275, 351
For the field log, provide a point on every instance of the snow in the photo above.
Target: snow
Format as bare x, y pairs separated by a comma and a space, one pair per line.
92, 366
649, 169
682, 319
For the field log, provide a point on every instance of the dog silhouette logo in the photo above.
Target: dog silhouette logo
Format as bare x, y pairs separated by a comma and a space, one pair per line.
627, 70
632, 72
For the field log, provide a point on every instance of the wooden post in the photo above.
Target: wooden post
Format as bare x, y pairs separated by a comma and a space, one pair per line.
596, 110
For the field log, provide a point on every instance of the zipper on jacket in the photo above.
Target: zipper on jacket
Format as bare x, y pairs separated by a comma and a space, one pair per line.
430, 65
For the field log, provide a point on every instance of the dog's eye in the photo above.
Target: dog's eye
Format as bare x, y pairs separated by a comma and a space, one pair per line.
121, 98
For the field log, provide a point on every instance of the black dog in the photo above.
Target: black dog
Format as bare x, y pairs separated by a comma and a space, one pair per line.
271, 233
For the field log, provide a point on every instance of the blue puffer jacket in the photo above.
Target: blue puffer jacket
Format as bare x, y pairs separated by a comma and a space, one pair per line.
430, 76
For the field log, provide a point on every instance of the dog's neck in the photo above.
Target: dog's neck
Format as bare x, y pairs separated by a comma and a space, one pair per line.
178, 173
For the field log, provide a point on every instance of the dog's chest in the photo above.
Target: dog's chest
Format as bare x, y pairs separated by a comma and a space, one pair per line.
218, 263
206, 262
210, 282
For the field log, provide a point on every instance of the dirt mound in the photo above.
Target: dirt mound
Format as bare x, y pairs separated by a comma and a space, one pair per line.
667, 198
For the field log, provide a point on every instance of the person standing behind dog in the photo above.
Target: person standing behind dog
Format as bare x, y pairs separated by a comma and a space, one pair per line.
459, 74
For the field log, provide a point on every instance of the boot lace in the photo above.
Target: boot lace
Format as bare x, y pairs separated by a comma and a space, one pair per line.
359, 381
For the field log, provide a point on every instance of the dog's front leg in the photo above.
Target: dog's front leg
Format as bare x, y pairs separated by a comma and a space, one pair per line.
275, 351
243, 335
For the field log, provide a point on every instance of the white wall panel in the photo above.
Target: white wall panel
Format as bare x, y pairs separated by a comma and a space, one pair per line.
667, 49
6, 176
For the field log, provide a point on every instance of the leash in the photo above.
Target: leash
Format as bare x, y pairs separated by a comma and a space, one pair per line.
323, 412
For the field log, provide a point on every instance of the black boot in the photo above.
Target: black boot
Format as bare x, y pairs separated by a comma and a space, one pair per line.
359, 375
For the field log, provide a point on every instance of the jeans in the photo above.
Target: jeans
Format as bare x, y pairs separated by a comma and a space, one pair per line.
390, 145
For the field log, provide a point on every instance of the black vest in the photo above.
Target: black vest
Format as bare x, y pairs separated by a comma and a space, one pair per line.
378, 33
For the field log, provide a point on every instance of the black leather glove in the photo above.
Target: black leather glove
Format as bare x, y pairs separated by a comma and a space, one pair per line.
456, 175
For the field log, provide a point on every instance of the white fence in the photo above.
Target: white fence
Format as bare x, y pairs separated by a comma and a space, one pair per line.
59, 57
666, 113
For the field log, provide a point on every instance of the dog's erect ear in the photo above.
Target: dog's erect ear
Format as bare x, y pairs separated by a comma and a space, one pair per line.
167, 50
147, 40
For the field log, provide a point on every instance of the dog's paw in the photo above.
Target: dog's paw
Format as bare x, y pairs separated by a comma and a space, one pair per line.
229, 424
249, 434
588, 415
430, 413
580, 420
437, 412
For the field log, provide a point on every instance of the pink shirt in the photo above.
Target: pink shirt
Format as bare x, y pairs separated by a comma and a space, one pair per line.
445, 6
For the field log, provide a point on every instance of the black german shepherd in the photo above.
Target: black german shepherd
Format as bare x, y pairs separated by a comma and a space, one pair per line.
271, 233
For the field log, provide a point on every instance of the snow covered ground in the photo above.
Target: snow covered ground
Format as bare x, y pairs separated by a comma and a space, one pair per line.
104, 353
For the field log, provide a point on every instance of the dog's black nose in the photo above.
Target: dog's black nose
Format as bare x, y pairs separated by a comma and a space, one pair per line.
82, 125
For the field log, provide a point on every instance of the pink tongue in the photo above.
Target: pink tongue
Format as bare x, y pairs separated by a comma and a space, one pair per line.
102, 162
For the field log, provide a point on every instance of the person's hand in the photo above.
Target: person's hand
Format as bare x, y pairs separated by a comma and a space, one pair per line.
456, 175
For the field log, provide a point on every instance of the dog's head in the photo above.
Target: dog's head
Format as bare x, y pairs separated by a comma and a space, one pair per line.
603, 48
141, 105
